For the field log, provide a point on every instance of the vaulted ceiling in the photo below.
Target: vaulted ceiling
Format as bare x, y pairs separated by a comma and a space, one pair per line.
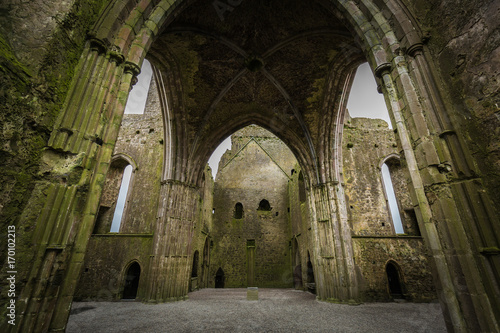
279, 64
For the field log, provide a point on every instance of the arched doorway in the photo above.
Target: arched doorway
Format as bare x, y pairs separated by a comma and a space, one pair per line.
131, 283
394, 280
194, 271
219, 278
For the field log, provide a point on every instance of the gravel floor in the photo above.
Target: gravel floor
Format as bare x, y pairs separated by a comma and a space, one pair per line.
277, 310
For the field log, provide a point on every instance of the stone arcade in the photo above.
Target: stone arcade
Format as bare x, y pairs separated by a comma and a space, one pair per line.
285, 68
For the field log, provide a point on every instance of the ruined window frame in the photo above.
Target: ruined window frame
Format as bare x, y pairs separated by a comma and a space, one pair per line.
129, 162
390, 216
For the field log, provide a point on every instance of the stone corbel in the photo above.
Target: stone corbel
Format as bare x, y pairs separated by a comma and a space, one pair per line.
134, 70
415, 50
98, 45
382, 69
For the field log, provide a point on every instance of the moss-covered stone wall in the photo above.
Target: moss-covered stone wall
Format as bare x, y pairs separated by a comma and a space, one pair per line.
410, 254
106, 262
367, 143
140, 140
259, 241
40, 46
463, 43
301, 229
202, 236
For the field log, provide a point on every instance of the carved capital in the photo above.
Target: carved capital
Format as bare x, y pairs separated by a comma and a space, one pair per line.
98, 45
132, 68
415, 49
382, 69
116, 57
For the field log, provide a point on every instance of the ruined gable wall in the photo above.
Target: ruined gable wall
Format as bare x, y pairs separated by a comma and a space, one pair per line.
141, 137
250, 177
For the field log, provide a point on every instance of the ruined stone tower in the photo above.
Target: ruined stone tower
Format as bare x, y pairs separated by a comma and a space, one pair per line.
66, 70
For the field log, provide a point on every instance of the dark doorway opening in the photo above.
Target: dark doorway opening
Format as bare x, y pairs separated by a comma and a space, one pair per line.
194, 270
219, 278
131, 281
394, 280
311, 284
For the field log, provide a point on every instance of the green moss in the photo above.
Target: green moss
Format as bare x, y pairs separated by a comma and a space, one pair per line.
30, 100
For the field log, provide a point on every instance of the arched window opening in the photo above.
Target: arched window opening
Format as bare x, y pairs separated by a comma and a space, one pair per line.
131, 281
121, 201
115, 176
302, 188
391, 200
136, 102
219, 278
264, 205
194, 271
238, 211
394, 280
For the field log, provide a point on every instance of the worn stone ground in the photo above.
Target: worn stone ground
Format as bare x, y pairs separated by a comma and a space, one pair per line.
277, 310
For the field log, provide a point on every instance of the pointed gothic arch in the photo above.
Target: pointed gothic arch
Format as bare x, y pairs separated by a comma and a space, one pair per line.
131, 280
412, 95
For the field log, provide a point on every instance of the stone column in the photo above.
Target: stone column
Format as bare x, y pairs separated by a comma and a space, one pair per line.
170, 265
77, 158
442, 195
333, 252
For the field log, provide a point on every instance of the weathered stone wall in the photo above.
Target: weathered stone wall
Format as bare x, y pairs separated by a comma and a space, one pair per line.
463, 42
372, 255
40, 45
202, 234
366, 144
301, 228
106, 262
249, 173
140, 139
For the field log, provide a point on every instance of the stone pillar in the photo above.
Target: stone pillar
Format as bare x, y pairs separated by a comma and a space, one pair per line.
448, 200
85, 135
333, 253
170, 265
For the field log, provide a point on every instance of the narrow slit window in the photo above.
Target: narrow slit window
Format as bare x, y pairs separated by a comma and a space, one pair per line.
122, 197
238, 211
264, 205
391, 200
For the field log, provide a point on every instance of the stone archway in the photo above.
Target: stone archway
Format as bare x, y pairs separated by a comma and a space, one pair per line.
131, 282
442, 171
